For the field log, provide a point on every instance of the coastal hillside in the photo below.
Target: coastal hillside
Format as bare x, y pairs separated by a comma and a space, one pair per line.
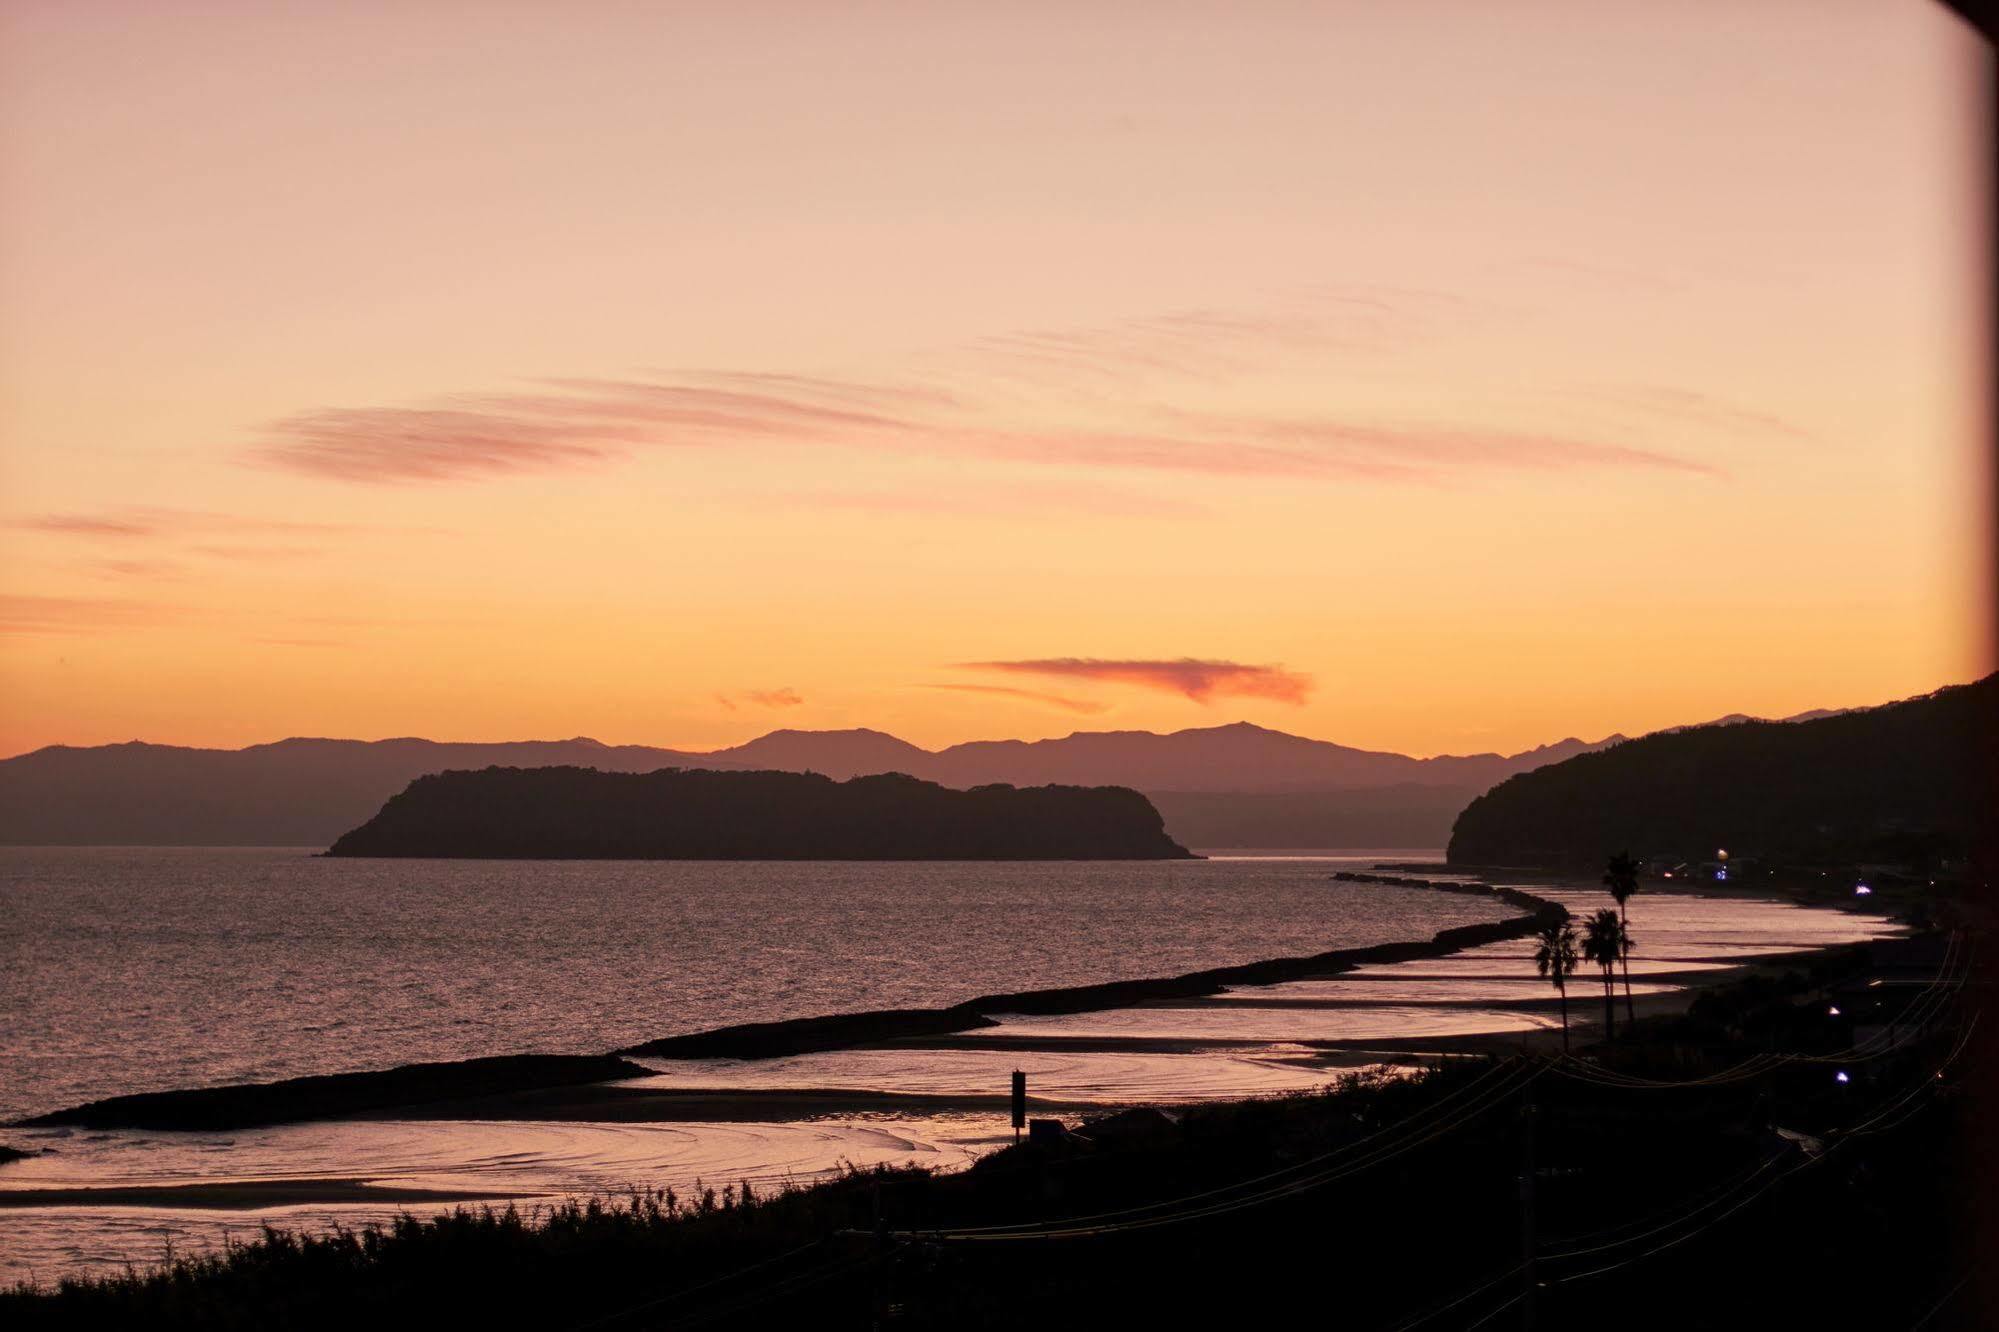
572, 813
1895, 784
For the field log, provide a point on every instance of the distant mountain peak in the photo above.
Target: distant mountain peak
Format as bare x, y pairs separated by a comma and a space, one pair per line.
828, 733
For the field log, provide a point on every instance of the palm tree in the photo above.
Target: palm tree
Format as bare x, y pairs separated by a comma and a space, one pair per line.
1555, 958
1603, 944
1621, 877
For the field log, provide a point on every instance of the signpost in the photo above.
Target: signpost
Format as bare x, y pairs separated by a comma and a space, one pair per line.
1019, 1103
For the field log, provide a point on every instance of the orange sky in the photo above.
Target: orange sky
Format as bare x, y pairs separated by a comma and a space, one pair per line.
1445, 377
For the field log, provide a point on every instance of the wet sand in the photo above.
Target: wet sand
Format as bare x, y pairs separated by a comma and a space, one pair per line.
625, 1104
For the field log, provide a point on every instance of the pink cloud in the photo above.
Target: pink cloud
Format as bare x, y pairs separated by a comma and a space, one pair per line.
1200, 680
570, 423
431, 444
1084, 706
775, 698
762, 698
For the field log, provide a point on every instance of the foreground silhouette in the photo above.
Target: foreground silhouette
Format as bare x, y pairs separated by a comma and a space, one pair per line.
1148, 1220
1621, 878
1555, 958
1604, 942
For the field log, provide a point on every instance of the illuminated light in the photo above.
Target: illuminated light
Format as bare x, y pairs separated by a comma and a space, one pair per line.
1862, 890
1841, 1076
1833, 1011
1721, 854
1669, 874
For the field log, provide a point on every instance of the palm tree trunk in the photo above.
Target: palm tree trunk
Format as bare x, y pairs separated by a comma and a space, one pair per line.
1563, 991
1609, 1006
1624, 955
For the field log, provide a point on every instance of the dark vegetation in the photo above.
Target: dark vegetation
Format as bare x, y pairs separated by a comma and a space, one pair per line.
1385, 1199
1897, 784
676, 814
334, 1095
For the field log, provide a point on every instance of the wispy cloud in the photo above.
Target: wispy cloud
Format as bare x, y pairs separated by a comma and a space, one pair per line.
762, 698
775, 698
87, 524
259, 554
1272, 447
1199, 679
1011, 500
140, 522
980, 406
26, 614
572, 422
137, 569
1087, 707
1206, 344
1684, 406
433, 444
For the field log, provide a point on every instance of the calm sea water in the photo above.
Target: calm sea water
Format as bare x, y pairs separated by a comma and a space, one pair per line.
139, 969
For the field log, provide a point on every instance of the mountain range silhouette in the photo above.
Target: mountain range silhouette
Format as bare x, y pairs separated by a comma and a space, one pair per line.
1236, 785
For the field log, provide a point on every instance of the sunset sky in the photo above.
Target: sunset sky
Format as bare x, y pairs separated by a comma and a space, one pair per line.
1430, 377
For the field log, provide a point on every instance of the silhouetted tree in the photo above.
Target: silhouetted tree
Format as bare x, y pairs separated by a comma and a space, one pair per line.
1621, 877
1603, 944
1555, 958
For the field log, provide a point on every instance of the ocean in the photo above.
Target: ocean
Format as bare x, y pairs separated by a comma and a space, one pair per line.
143, 969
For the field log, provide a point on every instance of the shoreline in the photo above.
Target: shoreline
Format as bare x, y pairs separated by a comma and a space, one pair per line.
422, 1090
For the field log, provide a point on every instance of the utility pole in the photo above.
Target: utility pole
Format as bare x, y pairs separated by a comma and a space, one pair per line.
1529, 1279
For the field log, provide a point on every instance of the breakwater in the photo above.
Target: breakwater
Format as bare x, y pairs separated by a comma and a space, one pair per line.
769, 1040
334, 1095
